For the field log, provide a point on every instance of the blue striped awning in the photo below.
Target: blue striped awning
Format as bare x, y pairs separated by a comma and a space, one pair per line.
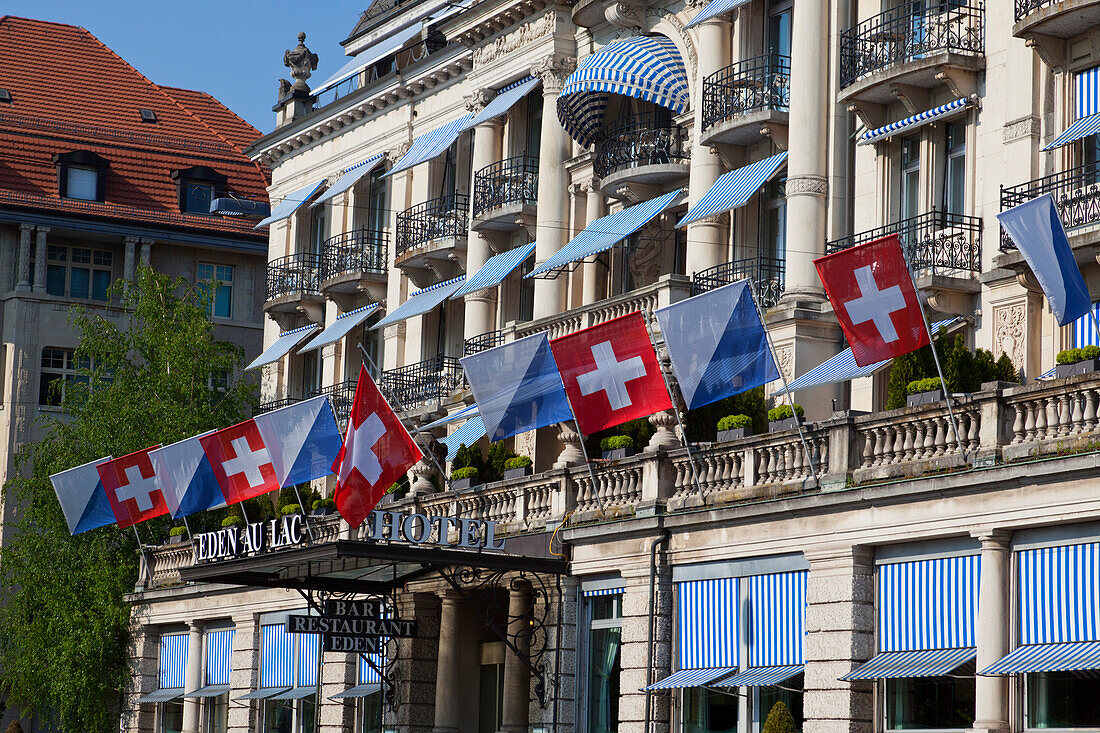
219, 655
263, 693
1048, 374
760, 676
919, 663
296, 693
291, 203
370, 56
777, 628
1086, 109
1059, 592
607, 231
505, 99
308, 653
1084, 333
928, 604
208, 691
471, 431
349, 178
162, 695
357, 691
466, 412
421, 302
430, 144
172, 661
1071, 657
1081, 128
286, 341
340, 328
366, 674
493, 272
276, 657
707, 629
734, 189
643, 67
602, 592
910, 123
691, 678
713, 8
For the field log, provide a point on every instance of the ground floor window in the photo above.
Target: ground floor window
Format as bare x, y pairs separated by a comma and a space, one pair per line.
604, 641
710, 711
216, 714
941, 703
370, 713
290, 716
1063, 700
170, 716
789, 693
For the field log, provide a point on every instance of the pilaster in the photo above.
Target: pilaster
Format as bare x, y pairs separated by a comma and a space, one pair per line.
192, 678
634, 655
244, 673
128, 263
447, 708
993, 631
23, 259
40, 259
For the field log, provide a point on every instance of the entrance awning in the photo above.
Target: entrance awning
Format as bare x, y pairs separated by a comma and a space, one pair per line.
918, 120
264, 693
163, 695
505, 99
691, 678
643, 67
1066, 657
371, 56
357, 691
606, 232
340, 328
208, 691
291, 203
421, 302
493, 272
286, 341
734, 189
471, 431
713, 8
350, 177
430, 144
920, 663
760, 676
1080, 129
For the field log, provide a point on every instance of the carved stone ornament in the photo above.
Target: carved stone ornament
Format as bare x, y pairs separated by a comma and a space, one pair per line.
478, 99
505, 44
647, 259
395, 330
525, 443
553, 70
624, 15
396, 154
1009, 332
812, 185
784, 356
1025, 127
301, 62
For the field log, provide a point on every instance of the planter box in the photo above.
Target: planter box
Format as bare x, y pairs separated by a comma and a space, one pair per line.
787, 423
322, 512
924, 398
175, 539
1081, 367
617, 454
725, 436
461, 484
511, 473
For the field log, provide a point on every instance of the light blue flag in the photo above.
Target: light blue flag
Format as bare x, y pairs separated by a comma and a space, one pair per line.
717, 344
517, 387
1037, 231
83, 498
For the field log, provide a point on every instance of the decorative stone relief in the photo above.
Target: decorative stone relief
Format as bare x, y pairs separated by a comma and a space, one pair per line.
553, 70
395, 330
301, 62
1009, 332
396, 154
624, 15
813, 185
505, 44
525, 443
478, 99
784, 355
647, 258
1025, 127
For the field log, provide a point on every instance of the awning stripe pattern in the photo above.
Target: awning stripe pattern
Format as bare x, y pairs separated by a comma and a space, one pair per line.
691, 678
309, 650
358, 691
917, 120
291, 203
1059, 597
708, 633
421, 302
713, 8
1086, 109
928, 604
161, 695
495, 269
366, 674
219, 656
262, 693
208, 691
1080, 129
1075, 656
340, 328
603, 592
370, 56
643, 67
469, 433
607, 231
286, 341
349, 178
777, 603
921, 663
505, 99
1084, 333
734, 189
760, 676
430, 144
276, 657
466, 412
172, 660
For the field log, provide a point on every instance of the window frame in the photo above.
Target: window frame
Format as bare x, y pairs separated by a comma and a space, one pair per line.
590, 625
884, 713
68, 264
952, 153
906, 166
197, 174
217, 271
161, 717
1025, 719
81, 159
70, 371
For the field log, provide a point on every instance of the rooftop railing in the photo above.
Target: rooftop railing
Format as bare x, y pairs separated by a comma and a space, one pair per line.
760, 83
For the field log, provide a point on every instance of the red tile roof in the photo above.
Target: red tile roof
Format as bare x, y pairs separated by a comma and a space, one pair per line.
70, 92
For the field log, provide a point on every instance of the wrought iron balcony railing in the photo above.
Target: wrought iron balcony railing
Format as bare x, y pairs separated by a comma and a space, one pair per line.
760, 83
1076, 193
1026, 7
437, 218
766, 274
481, 342
640, 140
903, 34
341, 394
270, 405
428, 381
510, 181
360, 250
293, 274
936, 243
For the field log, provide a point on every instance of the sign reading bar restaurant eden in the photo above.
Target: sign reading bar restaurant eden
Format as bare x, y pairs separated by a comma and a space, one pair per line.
351, 626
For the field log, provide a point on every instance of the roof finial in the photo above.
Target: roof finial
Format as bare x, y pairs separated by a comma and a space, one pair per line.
301, 62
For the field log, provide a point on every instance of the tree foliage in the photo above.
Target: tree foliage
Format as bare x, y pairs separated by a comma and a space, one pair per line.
154, 375
964, 370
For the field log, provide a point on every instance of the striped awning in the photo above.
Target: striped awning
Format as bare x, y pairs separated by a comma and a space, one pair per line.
1048, 374
349, 178
505, 99
1084, 333
430, 144
208, 691
1070, 657
286, 341
172, 660
643, 67
713, 8
607, 231
602, 592
1058, 592
471, 431
911, 123
276, 657
296, 693
691, 678
734, 189
308, 652
707, 630
366, 674
760, 676
777, 629
291, 203
357, 691
162, 695
219, 656
340, 328
495, 269
466, 412
919, 663
928, 604
371, 56
421, 302
263, 693
1081, 128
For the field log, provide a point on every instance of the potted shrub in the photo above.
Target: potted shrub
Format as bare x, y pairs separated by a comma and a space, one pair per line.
289, 509
517, 467
732, 427
175, 535
232, 521
617, 446
1077, 361
463, 478
784, 417
924, 392
323, 507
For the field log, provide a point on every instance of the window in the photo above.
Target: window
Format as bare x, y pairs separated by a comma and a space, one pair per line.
527, 290
170, 717
773, 231
604, 639
369, 713
1063, 700
779, 28
290, 715
930, 703
221, 278
318, 229
81, 175
709, 711
77, 272
60, 367
216, 714
198, 187
376, 201
311, 373
219, 380
954, 169
81, 183
490, 709
910, 177
789, 693
197, 197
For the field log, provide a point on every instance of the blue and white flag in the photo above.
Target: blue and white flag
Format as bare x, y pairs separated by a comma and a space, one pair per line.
185, 478
717, 344
83, 498
302, 440
1037, 231
517, 387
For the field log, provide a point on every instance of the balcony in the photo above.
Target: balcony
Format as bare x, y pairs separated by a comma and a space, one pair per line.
902, 53
746, 100
1047, 21
293, 286
766, 274
354, 264
482, 342
270, 405
423, 384
641, 149
432, 237
506, 194
1076, 193
341, 395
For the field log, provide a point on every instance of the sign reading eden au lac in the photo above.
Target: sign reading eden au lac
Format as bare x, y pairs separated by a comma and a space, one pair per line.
252, 538
351, 626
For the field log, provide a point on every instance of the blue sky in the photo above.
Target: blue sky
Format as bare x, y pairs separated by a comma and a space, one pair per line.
231, 49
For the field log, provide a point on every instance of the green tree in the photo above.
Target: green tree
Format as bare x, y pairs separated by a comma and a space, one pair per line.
780, 720
156, 375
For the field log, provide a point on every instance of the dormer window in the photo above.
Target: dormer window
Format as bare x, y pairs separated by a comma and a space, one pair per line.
198, 187
148, 115
81, 175
5, 96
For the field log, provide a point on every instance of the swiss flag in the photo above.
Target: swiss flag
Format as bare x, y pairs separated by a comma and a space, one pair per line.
377, 451
874, 300
240, 461
130, 483
611, 374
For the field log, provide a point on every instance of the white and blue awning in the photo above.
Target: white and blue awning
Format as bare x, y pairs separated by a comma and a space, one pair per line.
263, 693
286, 341
172, 660
734, 189
421, 302
777, 602
366, 674
1065, 657
1059, 592
607, 231
928, 604
594, 592
161, 695
340, 328
370, 56
466, 412
296, 693
430, 144
911, 123
761, 676
691, 678
276, 658
208, 691
713, 8
918, 663
1085, 111
219, 655
291, 203
349, 178
495, 269
706, 632
505, 99
469, 433
643, 67
1080, 129
358, 691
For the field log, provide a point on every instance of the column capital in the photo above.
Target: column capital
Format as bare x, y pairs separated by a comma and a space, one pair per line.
25, 228
488, 295
196, 626
993, 539
553, 70
478, 98
42, 231
132, 241
838, 556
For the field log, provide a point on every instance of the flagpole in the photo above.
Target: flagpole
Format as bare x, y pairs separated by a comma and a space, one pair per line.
141, 548
587, 460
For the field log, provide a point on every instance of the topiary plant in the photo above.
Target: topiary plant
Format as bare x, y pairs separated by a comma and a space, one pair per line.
289, 509
732, 422
779, 720
1068, 356
232, 521
465, 472
782, 412
923, 385
324, 504
517, 462
177, 531
1091, 351
615, 442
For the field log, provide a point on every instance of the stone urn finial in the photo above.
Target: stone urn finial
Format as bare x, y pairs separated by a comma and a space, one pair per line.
301, 62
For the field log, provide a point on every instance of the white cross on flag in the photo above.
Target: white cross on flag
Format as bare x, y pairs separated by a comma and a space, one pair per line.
610, 373
130, 484
377, 451
874, 300
241, 462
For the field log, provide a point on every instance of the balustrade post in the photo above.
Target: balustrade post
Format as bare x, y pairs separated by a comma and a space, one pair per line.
994, 415
844, 453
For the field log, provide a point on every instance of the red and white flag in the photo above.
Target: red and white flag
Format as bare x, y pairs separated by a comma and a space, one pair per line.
377, 451
874, 299
611, 374
241, 462
131, 486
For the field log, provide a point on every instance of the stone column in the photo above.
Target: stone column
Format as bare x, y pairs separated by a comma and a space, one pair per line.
128, 264
991, 713
706, 238
146, 246
593, 287
40, 259
480, 309
23, 259
447, 704
192, 678
552, 225
517, 679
